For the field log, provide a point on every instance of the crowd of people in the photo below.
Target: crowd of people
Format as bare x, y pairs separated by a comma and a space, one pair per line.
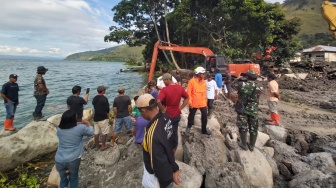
157, 115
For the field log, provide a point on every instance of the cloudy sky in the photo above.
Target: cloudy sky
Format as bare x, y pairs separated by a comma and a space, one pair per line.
55, 28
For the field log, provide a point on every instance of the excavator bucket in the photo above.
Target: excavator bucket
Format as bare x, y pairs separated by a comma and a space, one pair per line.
329, 14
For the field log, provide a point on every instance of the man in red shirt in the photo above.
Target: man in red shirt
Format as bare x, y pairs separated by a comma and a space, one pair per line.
171, 95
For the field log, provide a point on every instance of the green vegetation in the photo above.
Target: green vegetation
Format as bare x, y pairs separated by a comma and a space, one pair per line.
314, 29
121, 53
24, 179
232, 27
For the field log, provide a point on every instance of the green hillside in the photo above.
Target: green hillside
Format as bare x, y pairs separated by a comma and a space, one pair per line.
121, 53
309, 11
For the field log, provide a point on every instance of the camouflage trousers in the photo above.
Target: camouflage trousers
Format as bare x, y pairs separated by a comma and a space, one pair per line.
248, 123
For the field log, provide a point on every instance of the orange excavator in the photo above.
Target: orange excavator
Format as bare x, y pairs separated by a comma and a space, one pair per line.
211, 60
265, 60
329, 14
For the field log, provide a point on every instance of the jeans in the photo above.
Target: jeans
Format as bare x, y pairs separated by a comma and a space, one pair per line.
10, 109
191, 116
73, 168
40, 101
119, 122
175, 122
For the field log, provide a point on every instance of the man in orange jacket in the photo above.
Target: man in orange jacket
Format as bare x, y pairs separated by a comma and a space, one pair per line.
198, 100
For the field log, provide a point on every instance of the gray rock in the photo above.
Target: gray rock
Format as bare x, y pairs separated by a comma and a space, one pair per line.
313, 178
108, 157
54, 178
179, 149
299, 166
321, 161
272, 162
190, 177
204, 152
262, 139
228, 175
256, 166
35, 139
277, 132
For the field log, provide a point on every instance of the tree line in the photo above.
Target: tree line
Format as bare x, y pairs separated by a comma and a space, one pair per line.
234, 28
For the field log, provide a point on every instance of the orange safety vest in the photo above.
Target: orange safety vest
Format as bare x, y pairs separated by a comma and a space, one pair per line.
197, 93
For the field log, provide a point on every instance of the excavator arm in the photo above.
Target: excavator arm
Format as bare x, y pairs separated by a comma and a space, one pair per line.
161, 45
329, 14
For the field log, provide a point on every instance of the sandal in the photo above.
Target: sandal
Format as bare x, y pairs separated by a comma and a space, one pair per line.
97, 148
104, 148
112, 143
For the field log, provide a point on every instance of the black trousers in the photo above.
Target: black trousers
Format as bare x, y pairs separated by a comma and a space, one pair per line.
175, 122
40, 101
204, 118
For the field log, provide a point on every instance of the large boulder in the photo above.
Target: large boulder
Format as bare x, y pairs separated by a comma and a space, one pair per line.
321, 161
256, 166
229, 175
54, 178
36, 138
313, 178
190, 177
277, 132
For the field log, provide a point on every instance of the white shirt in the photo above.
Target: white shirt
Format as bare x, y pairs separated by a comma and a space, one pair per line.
161, 84
211, 89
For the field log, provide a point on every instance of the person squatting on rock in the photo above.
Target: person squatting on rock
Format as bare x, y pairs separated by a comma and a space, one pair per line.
10, 95
197, 100
273, 96
248, 94
75, 102
211, 93
70, 147
172, 95
140, 123
40, 93
160, 168
122, 109
160, 84
101, 117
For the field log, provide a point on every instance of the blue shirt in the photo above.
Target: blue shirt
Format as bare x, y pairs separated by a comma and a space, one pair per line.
11, 90
70, 146
219, 80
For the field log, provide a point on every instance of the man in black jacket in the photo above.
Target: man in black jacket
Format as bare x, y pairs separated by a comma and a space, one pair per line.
160, 169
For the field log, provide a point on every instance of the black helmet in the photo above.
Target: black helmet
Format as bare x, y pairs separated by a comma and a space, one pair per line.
41, 70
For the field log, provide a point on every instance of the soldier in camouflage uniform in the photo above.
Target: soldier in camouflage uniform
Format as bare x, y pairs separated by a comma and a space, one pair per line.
248, 94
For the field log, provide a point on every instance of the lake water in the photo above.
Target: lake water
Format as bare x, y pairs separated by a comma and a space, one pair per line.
60, 78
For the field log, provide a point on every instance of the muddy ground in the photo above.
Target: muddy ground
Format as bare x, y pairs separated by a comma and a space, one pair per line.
307, 109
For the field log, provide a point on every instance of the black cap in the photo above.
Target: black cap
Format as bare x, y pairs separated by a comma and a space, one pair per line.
41, 69
272, 76
13, 76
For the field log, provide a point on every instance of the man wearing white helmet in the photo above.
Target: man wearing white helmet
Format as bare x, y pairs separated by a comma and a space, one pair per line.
198, 100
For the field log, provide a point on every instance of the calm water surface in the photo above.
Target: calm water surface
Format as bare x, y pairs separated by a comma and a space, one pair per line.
60, 78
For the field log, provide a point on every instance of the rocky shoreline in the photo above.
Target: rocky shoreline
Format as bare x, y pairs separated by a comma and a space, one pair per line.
284, 157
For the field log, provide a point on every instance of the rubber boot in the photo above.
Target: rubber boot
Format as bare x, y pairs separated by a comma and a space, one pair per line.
243, 138
209, 113
277, 118
274, 117
8, 125
11, 122
253, 139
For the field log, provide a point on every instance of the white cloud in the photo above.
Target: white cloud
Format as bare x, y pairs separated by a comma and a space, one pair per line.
51, 26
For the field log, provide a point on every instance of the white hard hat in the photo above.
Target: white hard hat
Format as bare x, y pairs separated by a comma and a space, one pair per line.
199, 70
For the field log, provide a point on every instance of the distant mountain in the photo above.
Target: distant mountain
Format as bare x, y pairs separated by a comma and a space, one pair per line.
121, 53
309, 11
